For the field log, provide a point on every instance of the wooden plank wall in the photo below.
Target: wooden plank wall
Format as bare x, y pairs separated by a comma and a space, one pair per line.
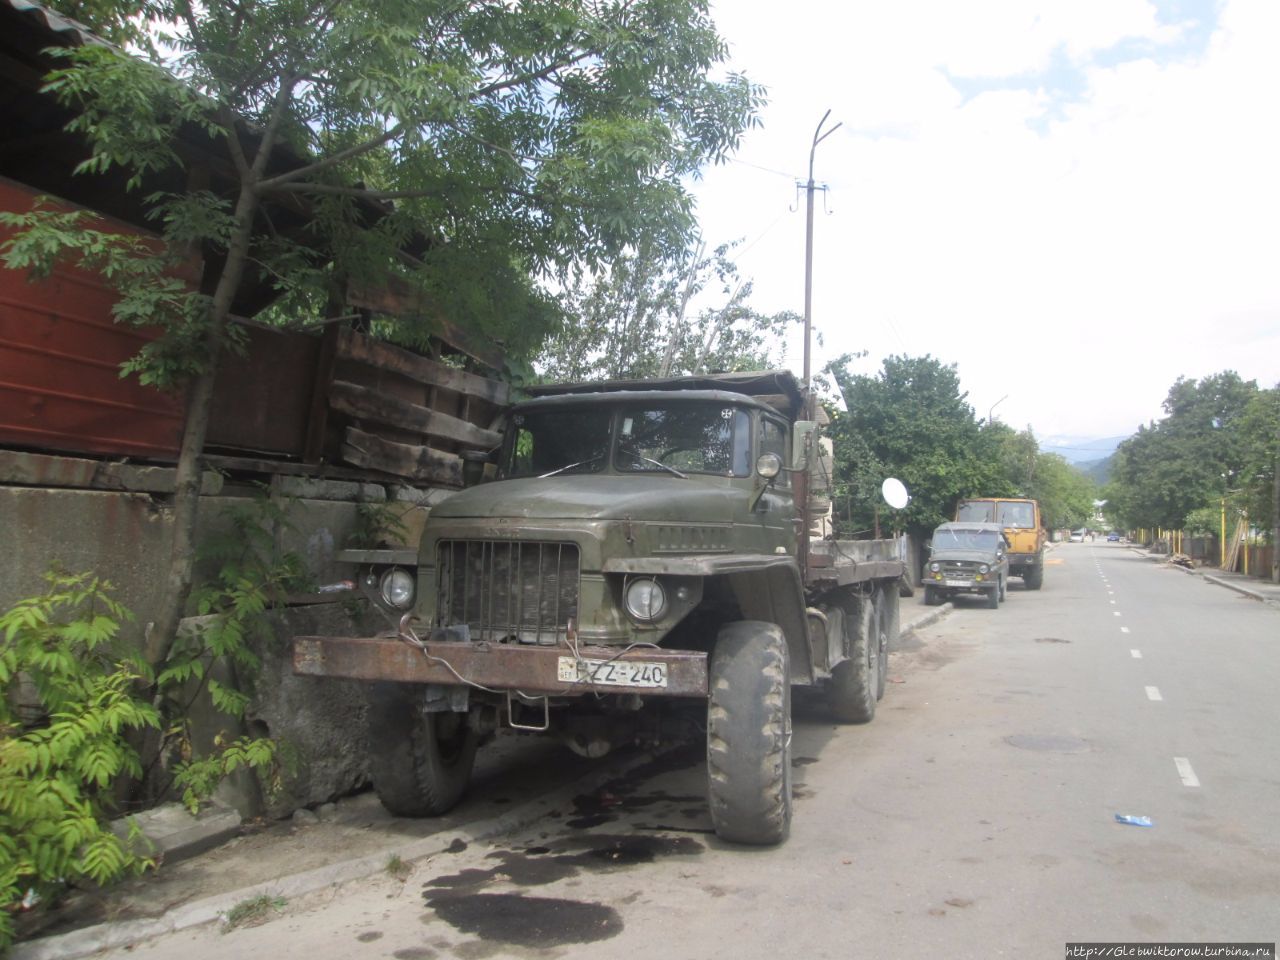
407, 415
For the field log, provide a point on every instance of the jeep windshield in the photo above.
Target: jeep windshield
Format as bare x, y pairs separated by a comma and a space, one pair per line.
672, 438
985, 541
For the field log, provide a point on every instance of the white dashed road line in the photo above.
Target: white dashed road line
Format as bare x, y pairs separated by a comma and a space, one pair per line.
1189, 778
1136, 654
1153, 693
1124, 629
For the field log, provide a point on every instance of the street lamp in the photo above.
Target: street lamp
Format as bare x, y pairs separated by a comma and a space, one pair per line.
991, 411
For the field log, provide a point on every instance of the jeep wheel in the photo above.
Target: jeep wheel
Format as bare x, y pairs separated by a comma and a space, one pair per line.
993, 598
420, 762
854, 681
931, 597
749, 734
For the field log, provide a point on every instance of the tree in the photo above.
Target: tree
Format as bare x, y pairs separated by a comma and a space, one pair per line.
911, 421
632, 319
1198, 454
465, 146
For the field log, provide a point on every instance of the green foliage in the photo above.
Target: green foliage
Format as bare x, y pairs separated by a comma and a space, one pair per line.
377, 525
911, 421
634, 319
249, 579
500, 142
67, 705
1216, 441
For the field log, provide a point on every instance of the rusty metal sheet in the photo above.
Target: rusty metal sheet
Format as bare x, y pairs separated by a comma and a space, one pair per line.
60, 356
497, 665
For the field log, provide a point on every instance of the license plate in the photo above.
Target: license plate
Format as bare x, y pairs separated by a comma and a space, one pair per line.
958, 583
613, 673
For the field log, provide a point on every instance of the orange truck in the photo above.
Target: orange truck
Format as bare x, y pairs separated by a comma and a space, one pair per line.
1022, 528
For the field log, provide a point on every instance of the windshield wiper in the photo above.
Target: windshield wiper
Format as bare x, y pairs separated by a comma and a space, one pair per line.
570, 466
657, 463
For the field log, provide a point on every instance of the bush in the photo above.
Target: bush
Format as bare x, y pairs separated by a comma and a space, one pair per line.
68, 704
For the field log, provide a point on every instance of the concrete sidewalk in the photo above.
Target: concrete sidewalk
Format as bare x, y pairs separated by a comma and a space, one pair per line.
1254, 587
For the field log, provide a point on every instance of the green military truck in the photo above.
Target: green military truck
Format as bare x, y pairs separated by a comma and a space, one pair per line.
641, 568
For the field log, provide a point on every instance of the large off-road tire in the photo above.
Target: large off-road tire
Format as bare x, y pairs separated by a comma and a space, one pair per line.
1033, 577
931, 596
749, 734
420, 762
993, 598
853, 684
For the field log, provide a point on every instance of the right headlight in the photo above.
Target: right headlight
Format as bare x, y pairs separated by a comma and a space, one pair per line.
646, 599
935, 567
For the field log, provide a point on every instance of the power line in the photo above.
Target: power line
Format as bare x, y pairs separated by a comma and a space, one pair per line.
756, 166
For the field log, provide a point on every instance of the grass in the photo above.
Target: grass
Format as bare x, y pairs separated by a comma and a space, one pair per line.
398, 868
252, 912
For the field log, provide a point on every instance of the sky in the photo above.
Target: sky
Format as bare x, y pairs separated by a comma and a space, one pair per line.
1073, 201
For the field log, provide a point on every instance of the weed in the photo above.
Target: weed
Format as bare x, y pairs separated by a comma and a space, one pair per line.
252, 912
398, 868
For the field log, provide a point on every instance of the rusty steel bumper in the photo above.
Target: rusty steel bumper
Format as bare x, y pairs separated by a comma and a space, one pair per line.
498, 666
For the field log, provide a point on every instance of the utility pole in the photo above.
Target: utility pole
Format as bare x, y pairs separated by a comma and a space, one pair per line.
802, 479
810, 188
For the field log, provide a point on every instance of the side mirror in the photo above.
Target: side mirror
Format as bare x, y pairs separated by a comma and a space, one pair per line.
473, 464
804, 434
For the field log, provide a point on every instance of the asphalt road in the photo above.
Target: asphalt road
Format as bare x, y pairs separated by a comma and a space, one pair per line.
975, 817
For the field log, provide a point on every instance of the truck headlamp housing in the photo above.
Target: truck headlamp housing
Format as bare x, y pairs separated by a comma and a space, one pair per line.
646, 599
935, 567
983, 568
397, 588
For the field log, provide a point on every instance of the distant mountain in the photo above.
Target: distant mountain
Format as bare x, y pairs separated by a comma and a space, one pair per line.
1081, 451
1098, 470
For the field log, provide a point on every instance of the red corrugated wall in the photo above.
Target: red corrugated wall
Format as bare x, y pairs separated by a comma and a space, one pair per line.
60, 356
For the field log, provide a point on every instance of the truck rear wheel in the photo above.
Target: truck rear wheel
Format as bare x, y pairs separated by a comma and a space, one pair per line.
887, 599
854, 681
420, 762
749, 734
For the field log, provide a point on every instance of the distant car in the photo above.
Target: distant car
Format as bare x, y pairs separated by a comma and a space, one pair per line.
1077, 536
1113, 537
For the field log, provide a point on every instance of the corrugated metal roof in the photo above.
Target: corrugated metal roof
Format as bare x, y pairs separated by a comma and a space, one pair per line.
75, 32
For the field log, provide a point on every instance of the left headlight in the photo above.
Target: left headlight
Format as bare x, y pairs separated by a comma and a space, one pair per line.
396, 587
646, 600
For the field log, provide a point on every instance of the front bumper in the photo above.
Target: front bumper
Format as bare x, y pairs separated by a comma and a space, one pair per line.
500, 667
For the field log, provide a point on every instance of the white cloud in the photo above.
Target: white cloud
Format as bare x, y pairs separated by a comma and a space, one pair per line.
1131, 230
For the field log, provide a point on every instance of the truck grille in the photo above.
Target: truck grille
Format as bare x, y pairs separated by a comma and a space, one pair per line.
959, 570
508, 590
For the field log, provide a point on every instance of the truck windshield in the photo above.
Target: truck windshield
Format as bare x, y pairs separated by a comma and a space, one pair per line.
1017, 515
985, 540
977, 511
689, 437
567, 440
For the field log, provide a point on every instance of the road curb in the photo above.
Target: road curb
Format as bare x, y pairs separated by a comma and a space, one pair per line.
1210, 578
1238, 588
929, 618
104, 936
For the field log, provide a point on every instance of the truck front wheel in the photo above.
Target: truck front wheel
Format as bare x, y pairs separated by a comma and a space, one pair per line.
420, 762
749, 734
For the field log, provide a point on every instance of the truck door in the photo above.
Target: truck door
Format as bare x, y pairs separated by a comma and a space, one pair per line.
777, 508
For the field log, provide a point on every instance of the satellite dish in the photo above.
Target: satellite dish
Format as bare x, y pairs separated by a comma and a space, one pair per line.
894, 493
